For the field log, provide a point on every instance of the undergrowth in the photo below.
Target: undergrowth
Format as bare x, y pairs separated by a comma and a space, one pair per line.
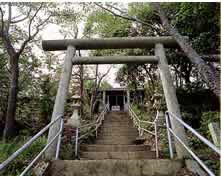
19, 164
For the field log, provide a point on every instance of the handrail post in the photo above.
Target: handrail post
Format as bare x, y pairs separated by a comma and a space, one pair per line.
156, 140
171, 100
60, 99
59, 140
169, 135
76, 143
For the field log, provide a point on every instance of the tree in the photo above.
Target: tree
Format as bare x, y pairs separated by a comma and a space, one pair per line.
96, 85
211, 78
9, 27
145, 23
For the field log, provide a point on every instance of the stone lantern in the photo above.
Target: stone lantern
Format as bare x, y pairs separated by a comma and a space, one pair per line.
74, 121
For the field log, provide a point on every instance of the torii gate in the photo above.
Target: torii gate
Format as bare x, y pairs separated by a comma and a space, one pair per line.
115, 43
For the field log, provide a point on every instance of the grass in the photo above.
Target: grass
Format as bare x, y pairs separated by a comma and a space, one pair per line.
19, 164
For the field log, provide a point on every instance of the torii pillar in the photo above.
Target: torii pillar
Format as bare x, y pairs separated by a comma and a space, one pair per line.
171, 100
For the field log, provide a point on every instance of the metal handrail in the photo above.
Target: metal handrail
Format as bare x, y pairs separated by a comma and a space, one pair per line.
169, 115
137, 122
11, 158
97, 124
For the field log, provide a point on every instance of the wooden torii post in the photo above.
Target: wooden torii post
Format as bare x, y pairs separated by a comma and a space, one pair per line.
116, 43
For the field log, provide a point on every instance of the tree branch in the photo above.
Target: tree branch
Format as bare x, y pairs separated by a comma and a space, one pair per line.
32, 36
101, 78
22, 19
121, 16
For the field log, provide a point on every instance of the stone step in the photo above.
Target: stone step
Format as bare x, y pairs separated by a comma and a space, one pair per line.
110, 142
118, 155
135, 134
117, 122
115, 126
127, 118
118, 131
117, 113
115, 148
150, 167
115, 117
116, 137
128, 126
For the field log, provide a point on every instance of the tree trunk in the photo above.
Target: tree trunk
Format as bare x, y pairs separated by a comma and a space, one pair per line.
9, 130
94, 93
205, 71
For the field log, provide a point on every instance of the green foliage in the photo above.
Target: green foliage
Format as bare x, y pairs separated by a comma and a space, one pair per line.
48, 92
106, 25
18, 165
208, 117
199, 21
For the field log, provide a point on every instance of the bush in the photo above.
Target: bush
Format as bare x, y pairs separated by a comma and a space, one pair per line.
19, 164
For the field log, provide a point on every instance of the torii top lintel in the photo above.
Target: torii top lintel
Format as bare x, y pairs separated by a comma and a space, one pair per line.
109, 43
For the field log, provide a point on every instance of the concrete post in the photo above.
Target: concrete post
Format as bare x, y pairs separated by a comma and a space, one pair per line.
60, 99
171, 100
108, 103
124, 102
128, 97
104, 97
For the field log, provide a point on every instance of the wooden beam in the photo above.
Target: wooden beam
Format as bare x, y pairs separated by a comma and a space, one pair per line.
109, 43
60, 100
115, 60
171, 100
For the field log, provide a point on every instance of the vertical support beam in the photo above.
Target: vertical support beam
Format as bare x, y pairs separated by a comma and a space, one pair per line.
124, 102
171, 100
60, 99
104, 97
128, 97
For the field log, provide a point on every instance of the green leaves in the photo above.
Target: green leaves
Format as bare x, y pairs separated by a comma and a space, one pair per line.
104, 24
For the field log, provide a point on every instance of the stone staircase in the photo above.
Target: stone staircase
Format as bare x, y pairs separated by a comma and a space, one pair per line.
116, 140
115, 152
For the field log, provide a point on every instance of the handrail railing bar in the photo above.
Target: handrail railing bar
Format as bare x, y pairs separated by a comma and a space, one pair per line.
87, 125
144, 121
156, 117
169, 137
59, 140
193, 154
27, 144
40, 154
97, 124
137, 122
82, 136
148, 131
138, 117
207, 142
